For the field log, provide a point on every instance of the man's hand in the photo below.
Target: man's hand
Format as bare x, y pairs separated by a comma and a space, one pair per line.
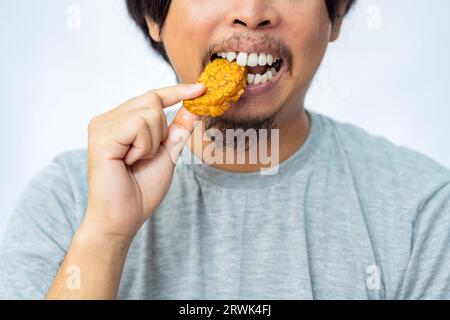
132, 154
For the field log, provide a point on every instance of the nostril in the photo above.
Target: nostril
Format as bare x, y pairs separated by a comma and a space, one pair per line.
242, 23
237, 21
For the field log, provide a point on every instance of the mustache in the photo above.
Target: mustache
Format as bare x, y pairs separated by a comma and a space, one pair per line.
275, 45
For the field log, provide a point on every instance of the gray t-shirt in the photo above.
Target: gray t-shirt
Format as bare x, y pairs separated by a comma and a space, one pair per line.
348, 216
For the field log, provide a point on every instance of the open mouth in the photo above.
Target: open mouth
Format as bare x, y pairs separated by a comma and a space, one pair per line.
261, 67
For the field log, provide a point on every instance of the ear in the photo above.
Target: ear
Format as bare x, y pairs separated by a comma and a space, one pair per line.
153, 28
337, 23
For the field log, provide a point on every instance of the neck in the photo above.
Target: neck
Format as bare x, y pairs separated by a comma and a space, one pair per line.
292, 129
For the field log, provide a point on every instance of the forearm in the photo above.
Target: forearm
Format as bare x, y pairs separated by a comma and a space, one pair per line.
92, 267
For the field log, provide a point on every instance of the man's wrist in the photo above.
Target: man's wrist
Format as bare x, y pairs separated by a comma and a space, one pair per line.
95, 238
98, 261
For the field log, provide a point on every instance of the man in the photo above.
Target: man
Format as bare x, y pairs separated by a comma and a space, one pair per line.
340, 215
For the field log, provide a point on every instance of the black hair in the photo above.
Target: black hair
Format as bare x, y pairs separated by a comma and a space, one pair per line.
157, 10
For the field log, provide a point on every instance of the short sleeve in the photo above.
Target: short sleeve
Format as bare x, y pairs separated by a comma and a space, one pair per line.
38, 235
428, 272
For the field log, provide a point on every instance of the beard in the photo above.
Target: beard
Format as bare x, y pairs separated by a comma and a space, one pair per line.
230, 121
240, 127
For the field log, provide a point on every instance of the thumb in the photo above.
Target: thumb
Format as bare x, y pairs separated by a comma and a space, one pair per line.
180, 131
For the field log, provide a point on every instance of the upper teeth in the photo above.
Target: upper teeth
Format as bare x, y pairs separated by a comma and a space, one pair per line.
249, 59
252, 60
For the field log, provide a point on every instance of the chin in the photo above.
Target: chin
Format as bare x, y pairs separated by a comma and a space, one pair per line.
253, 108
245, 115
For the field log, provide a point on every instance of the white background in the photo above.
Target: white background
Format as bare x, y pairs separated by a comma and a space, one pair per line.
63, 62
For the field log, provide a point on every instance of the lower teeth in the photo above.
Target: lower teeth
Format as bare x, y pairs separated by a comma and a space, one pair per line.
261, 78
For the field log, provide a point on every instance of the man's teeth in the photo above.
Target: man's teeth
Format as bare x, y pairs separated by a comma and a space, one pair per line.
262, 59
261, 78
231, 56
242, 59
249, 59
252, 60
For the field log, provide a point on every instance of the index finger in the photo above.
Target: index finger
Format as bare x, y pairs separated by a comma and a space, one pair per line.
170, 96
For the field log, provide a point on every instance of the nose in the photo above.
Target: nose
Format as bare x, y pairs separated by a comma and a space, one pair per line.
253, 14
